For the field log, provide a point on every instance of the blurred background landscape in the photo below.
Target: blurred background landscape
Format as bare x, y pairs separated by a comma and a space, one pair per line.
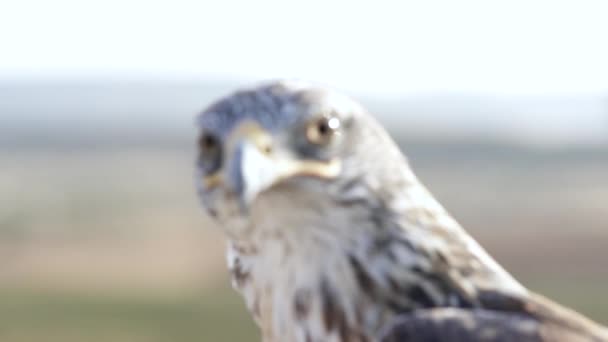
102, 238
101, 234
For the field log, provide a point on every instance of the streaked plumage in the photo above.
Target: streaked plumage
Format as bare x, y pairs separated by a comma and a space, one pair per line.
333, 238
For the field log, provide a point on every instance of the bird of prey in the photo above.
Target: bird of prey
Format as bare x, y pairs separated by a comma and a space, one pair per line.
333, 238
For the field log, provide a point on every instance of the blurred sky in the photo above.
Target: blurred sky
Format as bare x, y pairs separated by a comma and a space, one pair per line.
506, 47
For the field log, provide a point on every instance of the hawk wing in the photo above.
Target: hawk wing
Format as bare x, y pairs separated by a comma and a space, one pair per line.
539, 320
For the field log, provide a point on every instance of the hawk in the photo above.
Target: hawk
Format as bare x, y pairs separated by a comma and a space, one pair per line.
333, 238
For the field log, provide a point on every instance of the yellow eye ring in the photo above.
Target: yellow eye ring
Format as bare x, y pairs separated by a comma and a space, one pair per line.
322, 130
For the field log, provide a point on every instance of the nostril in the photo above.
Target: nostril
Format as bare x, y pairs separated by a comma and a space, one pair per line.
267, 149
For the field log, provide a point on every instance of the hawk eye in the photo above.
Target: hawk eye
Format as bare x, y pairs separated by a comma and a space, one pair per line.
209, 151
322, 130
208, 143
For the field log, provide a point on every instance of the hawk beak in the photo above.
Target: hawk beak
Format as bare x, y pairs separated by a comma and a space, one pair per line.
255, 163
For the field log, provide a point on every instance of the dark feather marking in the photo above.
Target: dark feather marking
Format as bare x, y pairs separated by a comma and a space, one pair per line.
394, 243
498, 301
240, 276
347, 199
430, 277
405, 242
301, 305
442, 258
246, 250
407, 298
443, 325
378, 218
343, 329
334, 317
351, 202
391, 255
212, 212
350, 185
381, 244
418, 270
445, 287
398, 306
364, 280
329, 306
418, 295
394, 285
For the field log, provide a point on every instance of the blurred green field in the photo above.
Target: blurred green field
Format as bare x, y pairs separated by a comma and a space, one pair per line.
111, 245
212, 315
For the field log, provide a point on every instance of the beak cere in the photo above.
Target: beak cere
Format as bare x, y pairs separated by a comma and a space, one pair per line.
254, 163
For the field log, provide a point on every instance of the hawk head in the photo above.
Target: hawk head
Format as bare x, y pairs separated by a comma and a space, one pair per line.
281, 155
341, 236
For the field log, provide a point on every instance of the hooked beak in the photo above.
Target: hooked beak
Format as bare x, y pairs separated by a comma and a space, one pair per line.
254, 163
